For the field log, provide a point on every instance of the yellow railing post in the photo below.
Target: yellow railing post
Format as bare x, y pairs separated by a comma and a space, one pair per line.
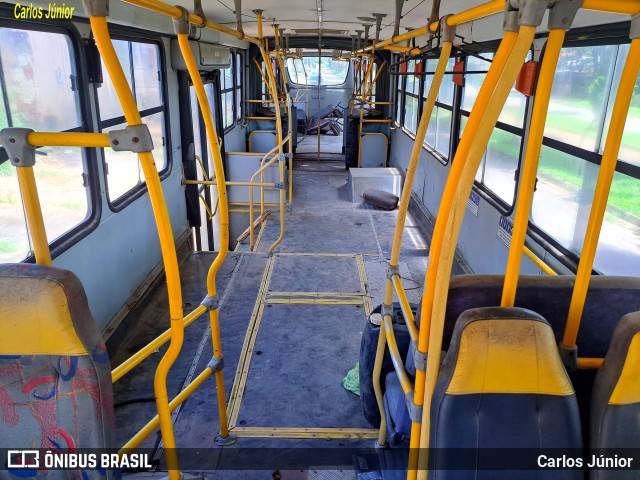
403, 209
452, 210
558, 28
22, 155
182, 30
98, 22
272, 86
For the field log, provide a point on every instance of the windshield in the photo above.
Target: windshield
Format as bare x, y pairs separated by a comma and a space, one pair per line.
308, 71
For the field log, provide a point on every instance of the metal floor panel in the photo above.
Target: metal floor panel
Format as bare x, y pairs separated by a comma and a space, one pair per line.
300, 357
322, 273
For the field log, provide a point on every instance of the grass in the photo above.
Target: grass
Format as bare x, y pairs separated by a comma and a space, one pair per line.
624, 194
8, 246
556, 167
574, 123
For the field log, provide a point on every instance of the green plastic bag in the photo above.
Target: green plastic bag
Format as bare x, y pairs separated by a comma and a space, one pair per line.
352, 381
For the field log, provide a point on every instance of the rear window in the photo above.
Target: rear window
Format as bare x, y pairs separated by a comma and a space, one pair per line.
310, 71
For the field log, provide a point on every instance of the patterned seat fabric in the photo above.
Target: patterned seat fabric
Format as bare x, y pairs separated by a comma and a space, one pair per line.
55, 376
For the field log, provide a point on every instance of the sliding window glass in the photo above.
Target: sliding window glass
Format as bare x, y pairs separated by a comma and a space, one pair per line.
439, 131
496, 175
412, 98
400, 81
141, 64
39, 90
228, 90
585, 88
239, 84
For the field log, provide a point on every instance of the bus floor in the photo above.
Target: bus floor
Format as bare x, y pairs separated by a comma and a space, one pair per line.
290, 324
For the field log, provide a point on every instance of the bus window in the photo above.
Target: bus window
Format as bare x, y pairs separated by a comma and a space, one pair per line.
239, 81
411, 98
578, 116
227, 88
439, 130
333, 72
39, 84
496, 174
141, 64
579, 95
630, 146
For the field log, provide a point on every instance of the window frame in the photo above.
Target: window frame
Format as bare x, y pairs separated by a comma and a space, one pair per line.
89, 155
138, 36
232, 90
239, 85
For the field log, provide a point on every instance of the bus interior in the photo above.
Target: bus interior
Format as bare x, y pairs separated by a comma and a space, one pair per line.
320, 240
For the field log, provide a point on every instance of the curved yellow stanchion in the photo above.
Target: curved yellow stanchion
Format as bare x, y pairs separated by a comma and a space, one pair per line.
167, 245
396, 358
417, 148
473, 124
223, 249
403, 209
447, 231
273, 91
601, 194
530, 166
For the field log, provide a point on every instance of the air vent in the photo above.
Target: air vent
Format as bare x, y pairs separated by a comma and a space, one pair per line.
317, 31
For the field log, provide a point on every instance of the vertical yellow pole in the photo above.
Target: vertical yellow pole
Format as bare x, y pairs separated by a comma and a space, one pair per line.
367, 79
601, 194
438, 77
453, 213
375, 79
273, 91
33, 211
473, 124
167, 245
223, 249
530, 165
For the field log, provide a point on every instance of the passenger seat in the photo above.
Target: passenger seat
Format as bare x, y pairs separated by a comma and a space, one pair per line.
615, 403
502, 385
55, 376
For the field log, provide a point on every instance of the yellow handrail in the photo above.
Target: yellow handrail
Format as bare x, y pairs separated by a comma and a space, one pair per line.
530, 169
483, 10
169, 255
33, 212
405, 307
453, 214
212, 136
142, 354
69, 139
539, 262
396, 358
176, 13
628, 7
601, 194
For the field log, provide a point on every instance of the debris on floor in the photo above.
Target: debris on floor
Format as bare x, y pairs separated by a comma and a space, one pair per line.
352, 381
